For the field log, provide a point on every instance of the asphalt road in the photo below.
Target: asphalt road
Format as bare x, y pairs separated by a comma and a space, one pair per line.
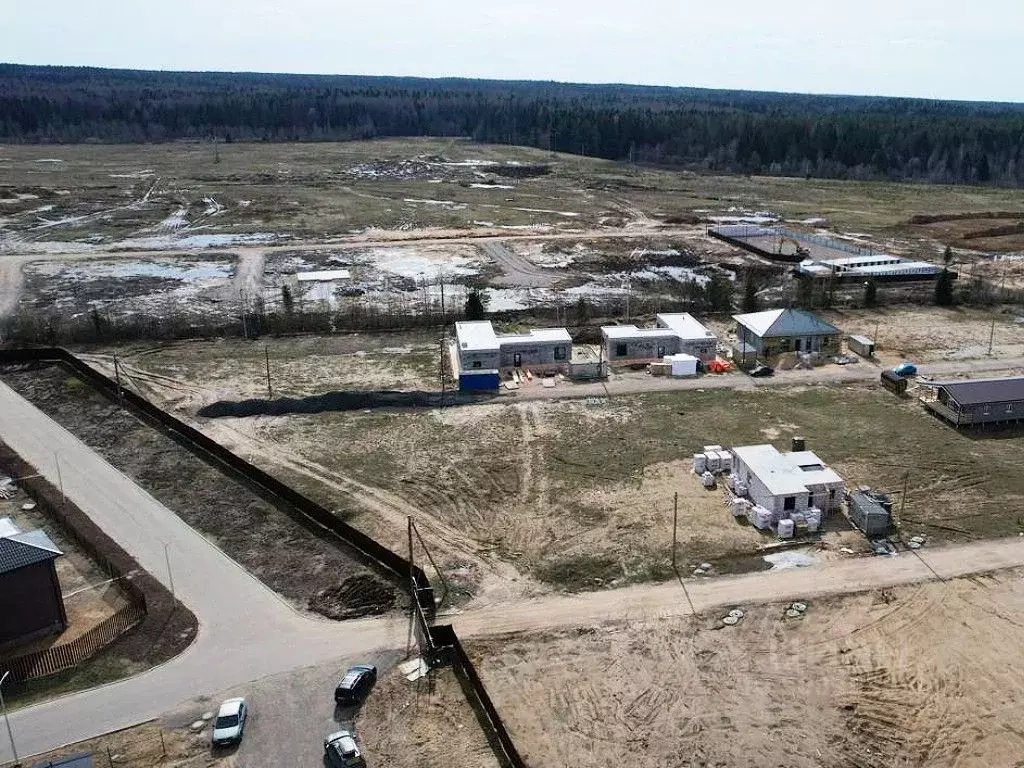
246, 631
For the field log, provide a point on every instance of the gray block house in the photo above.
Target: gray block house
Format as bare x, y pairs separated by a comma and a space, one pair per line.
672, 334
777, 331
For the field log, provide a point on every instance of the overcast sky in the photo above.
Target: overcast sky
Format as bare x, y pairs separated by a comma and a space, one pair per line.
927, 48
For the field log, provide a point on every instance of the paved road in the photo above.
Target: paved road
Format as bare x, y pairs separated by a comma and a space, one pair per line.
246, 631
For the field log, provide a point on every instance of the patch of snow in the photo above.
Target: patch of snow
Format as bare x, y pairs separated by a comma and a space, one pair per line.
483, 223
570, 214
744, 219
813, 220
791, 558
244, 203
48, 160
132, 174
174, 221
213, 208
173, 242
435, 181
42, 209
492, 186
467, 163
446, 203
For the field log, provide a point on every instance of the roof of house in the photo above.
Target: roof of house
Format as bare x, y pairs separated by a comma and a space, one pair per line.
977, 391
685, 325
785, 474
785, 322
672, 325
632, 332
23, 549
479, 336
323, 276
476, 336
550, 335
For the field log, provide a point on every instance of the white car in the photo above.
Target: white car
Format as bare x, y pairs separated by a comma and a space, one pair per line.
230, 723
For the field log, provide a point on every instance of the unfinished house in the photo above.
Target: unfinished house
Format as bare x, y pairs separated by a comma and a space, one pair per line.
31, 605
482, 353
784, 483
977, 401
676, 333
776, 331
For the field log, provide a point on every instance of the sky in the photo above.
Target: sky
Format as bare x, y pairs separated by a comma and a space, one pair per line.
921, 48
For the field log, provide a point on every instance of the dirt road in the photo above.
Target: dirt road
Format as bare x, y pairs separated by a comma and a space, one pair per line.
669, 599
518, 271
633, 384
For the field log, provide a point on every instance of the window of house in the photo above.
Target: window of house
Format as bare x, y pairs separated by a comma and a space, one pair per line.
621, 350
661, 350
477, 364
559, 353
986, 410
1009, 407
789, 504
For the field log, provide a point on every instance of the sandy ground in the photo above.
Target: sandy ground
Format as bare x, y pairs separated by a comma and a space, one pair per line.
915, 676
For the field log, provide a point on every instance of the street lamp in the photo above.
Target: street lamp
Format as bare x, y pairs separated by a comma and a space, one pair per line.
3, 705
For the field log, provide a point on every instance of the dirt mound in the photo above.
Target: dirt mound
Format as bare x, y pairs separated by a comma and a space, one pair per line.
934, 218
336, 401
360, 595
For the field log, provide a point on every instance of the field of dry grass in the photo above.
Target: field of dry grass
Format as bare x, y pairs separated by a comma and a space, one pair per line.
915, 676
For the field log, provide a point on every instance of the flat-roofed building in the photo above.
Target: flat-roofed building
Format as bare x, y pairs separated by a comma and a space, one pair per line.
786, 482
480, 350
673, 333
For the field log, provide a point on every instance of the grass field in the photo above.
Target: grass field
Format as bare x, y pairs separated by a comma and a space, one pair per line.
329, 189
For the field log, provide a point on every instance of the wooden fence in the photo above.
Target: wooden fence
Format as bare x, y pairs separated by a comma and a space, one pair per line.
57, 658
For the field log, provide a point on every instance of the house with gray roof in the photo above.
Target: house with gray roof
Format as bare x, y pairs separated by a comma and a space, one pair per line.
777, 331
31, 605
972, 402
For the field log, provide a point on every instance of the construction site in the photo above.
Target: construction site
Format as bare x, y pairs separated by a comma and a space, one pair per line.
841, 591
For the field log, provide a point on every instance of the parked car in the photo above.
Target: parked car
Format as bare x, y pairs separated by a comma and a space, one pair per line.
905, 369
230, 723
341, 751
761, 370
355, 685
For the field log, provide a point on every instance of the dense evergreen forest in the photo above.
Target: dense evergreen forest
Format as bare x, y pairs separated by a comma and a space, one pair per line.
721, 131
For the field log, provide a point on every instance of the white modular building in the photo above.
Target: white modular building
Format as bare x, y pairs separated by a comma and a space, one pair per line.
543, 350
784, 483
672, 334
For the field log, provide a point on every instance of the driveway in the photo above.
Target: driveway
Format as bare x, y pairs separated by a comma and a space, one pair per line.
246, 632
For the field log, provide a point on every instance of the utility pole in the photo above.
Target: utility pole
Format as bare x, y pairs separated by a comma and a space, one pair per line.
117, 375
991, 335
903, 498
7, 720
241, 314
170, 574
675, 525
270, 388
60, 481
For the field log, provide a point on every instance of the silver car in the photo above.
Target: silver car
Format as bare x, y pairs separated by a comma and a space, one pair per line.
230, 723
341, 751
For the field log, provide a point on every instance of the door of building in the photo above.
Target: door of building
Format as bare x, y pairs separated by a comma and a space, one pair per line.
517, 359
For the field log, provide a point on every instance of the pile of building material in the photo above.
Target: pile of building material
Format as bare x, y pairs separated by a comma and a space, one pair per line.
714, 459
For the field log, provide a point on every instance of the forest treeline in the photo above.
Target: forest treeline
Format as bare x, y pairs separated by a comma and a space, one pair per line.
710, 130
